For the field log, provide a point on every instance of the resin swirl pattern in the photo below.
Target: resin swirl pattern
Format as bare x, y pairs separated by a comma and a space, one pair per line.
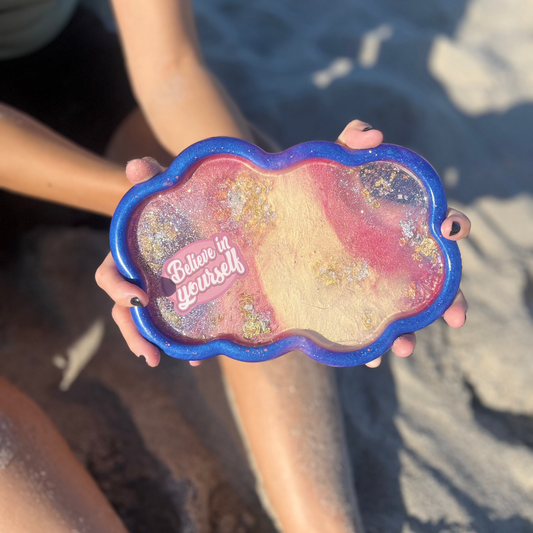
335, 251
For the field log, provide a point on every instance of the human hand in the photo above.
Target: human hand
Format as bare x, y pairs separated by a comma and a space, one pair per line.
456, 226
127, 294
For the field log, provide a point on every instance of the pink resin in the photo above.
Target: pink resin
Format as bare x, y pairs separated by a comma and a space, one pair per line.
250, 255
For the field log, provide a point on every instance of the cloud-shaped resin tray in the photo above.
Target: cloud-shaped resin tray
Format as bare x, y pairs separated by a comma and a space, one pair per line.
331, 251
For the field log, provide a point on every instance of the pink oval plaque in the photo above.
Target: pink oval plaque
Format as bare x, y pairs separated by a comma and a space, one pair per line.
202, 271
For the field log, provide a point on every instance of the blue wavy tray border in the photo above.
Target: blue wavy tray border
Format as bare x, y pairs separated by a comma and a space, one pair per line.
296, 154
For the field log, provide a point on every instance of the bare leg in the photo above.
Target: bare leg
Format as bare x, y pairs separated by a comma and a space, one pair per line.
289, 414
42, 485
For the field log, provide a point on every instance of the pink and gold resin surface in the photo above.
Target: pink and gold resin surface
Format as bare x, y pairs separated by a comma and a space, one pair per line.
333, 252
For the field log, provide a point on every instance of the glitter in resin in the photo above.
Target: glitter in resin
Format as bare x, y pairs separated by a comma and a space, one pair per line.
334, 251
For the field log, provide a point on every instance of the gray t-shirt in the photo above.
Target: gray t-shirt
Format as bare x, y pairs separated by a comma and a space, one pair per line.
27, 25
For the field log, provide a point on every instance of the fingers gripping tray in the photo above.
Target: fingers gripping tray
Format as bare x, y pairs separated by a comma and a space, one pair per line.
331, 251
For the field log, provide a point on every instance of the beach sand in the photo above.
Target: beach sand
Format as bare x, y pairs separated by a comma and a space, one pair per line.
439, 442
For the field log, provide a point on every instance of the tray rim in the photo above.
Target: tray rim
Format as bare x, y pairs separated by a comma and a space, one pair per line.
311, 150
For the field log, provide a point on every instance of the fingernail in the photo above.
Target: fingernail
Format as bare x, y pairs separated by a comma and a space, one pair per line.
360, 125
136, 302
456, 228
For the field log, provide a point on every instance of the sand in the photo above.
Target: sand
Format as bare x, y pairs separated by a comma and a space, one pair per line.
439, 442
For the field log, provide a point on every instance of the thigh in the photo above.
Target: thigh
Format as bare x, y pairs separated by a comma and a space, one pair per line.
42, 485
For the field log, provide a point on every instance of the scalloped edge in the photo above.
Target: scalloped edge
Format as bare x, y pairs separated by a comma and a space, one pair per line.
316, 149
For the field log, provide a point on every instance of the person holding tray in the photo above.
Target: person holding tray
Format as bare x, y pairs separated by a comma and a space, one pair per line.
304, 475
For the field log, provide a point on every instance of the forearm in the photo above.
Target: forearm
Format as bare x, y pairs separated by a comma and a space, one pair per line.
191, 105
182, 101
37, 162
